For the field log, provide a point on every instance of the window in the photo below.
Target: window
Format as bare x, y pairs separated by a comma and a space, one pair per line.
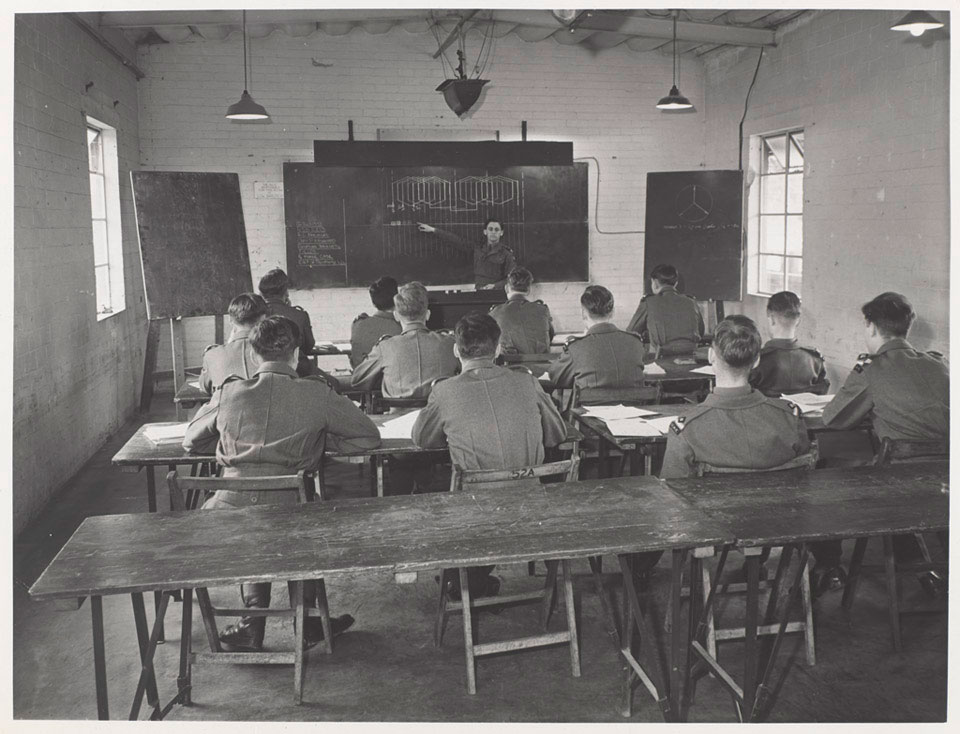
105, 218
775, 235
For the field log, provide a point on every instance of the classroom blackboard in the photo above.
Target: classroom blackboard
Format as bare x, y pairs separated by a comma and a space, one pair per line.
347, 226
693, 221
193, 245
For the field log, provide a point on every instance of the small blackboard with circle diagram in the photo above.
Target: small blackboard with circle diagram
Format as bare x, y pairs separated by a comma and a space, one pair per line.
694, 221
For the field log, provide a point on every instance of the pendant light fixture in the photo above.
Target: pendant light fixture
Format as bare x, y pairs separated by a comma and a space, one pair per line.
674, 100
246, 108
916, 22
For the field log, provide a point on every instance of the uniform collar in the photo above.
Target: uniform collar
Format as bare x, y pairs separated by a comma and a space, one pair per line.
415, 326
476, 364
895, 343
384, 315
275, 299
239, 332
277, 368
780, 344
517, 297
667, 289
734, 397
602, 328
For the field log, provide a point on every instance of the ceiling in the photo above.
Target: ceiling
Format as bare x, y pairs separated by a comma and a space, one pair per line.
699, 31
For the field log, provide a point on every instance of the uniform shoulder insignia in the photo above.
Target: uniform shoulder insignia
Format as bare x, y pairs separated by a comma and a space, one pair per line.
794, 408
540, 302
361, 317
679, 424
300, 308
862, 361
634, 334
494, 307
814, 351
231, 378
938, 355
571, 339
384, 336
692, 298
643, 298
209, 347
443, 332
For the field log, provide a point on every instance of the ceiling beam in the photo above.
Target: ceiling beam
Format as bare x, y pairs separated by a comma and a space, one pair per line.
160, 18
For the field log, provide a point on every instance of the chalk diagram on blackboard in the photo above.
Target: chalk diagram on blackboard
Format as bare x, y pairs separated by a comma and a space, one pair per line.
694, 203
457, 205
316, 248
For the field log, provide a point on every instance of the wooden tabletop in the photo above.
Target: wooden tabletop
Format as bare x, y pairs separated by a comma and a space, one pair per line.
115, 554
772, 508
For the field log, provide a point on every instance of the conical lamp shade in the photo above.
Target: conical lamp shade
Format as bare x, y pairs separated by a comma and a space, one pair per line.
916, 22
246, 109
674, 101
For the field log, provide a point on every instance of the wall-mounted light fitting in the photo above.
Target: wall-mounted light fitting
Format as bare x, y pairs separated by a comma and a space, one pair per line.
246, 108
916, 22
674, 100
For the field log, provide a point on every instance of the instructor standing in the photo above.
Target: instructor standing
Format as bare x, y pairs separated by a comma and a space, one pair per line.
492, 260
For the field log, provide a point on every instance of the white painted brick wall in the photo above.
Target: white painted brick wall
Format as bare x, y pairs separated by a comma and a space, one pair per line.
75, 379
874, 107
603, 102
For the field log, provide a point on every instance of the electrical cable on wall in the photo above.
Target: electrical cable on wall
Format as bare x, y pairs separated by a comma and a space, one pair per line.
596, 202
746, 103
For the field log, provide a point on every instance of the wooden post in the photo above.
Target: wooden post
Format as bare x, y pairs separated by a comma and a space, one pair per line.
149, 365
177, 351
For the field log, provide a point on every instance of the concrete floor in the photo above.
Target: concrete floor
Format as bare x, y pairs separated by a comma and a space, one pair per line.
386, 667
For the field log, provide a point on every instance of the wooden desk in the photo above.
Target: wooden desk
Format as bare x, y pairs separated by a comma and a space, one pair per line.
131, 554
793, 508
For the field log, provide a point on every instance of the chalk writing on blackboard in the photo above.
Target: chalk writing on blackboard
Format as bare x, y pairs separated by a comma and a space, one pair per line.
316, 248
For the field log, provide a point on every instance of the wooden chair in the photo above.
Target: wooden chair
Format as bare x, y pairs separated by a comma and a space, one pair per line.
301, 484
891, 451
506, 479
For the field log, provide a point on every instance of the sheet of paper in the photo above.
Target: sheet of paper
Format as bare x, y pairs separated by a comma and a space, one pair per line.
325, 344
194, 383
165, 433
633, 427
809, 403
342, 346
616, 412
400, 427
544, 377
662, 424
653, 369
707, 369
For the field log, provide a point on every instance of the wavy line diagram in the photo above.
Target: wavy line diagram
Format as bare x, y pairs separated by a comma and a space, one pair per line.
458, 205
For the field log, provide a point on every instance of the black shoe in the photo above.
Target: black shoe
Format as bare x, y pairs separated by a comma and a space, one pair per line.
933, 584
246, 635
828, 578
313, 629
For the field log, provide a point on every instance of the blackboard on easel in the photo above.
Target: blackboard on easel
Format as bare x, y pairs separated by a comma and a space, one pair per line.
694, 221
193, 244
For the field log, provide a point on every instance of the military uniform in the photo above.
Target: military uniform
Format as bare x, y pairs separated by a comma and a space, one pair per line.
786, 367
526, 326
906, 393
367, 330
279, 307
491, 263
604, 357
220, 361
408, 362
671, 320
491, 417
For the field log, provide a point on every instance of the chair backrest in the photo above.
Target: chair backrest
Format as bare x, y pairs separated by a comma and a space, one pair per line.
803, 461
179, 486
646, 395
380, 403
569, 469
904, 449
515, 357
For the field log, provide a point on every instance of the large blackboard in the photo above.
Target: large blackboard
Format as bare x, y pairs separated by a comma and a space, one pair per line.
693, 221
193, 245
349, 226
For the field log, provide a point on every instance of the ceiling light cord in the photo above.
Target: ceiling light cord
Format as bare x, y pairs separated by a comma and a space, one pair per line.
244, 21
746, 103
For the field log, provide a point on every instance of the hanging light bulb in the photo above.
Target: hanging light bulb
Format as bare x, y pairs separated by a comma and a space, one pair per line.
674, 100
916, 22
246, 108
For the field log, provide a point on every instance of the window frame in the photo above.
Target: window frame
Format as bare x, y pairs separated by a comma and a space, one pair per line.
105, 191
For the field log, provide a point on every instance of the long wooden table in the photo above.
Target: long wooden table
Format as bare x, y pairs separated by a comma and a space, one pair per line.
794, 508
169, 552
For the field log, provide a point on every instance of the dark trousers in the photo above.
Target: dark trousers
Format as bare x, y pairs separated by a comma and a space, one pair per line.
258, 596
477, 579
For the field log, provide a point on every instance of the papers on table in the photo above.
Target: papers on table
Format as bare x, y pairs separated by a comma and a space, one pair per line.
544, 377
633, 427
401, 427
809, 403
195, 383
616, 412
707, 369
662, 424
653, 369
340, 346
165, 432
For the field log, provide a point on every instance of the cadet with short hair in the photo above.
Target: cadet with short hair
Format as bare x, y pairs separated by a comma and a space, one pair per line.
526, 326
275, 289
492, 260
904, 392
785, 366
670, 320
491, 417
604, 357
409, 362
367, 330
236, 357
274, 424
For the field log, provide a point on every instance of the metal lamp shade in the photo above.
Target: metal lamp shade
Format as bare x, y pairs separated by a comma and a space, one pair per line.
674, 101
916, 22
246, 109
461, 94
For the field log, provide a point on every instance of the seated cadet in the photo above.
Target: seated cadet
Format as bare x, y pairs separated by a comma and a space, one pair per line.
412, 360
904, 392
236, 357
366, 330
738, 427
275, 289
785, 366
525, 326
671, 321
274, 424
491, 417
604, 357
